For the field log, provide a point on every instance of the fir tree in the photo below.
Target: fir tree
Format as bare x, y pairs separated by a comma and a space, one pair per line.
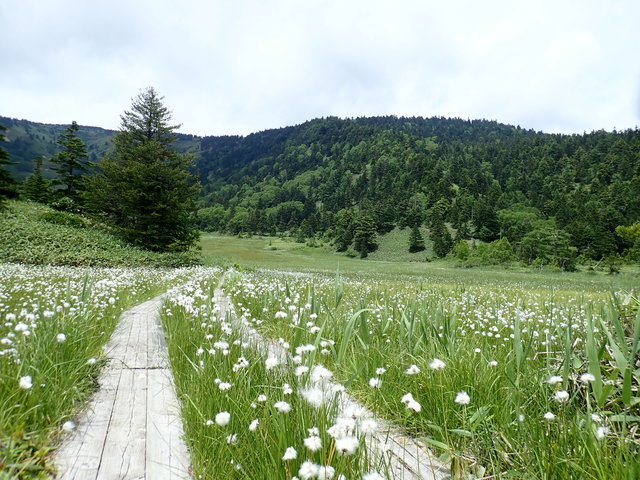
36, 187
71, 162
144, 187
416, 242
7, 183
364, 238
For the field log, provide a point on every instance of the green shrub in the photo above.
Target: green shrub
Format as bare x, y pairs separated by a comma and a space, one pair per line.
63, 218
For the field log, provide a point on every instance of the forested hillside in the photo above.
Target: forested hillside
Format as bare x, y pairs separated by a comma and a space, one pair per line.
482, 179
27, 141
547, 198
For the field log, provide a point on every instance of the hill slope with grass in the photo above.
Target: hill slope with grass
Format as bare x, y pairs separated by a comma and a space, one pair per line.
34, 234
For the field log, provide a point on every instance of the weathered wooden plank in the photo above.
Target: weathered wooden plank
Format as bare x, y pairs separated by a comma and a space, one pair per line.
167, 455
124, 448
80, 455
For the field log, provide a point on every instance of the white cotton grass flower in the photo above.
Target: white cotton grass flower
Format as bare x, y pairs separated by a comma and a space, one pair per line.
596, 418
68, 426
209, 422
326, 473
372, 476
320, 374
347, 445
271, 362
368, 426
91, 361
254, 425
554, 380
308, 470
261, 398
380, 371
290, 454
549, 416
314, 396
61, 338
232, 439
282, 407
462, 398
301, 370
313, 443
587, 378
26, 382
561, 396
224, 386
437, 364
602, 432
493, 363
375, 382
223, 418
412, 370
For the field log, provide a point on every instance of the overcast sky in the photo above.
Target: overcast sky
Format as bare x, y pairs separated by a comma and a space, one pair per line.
240, 66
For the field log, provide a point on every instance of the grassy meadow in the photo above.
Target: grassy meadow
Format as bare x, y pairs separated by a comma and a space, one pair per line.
504, 373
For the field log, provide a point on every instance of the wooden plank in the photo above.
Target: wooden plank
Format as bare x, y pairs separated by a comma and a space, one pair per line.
167, 455
123, 455
133, 421
80, 455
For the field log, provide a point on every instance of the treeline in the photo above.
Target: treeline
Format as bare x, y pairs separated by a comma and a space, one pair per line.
555, 198
142, 189
548, 199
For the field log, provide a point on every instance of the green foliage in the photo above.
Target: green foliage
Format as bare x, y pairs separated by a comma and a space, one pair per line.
416, 242
63, 218
7, 183
34, 234
145, 189
36, 187
462, 250
71, 162
364, 237
497, 180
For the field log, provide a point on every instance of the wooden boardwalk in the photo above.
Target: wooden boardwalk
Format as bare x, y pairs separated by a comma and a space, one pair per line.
132, 428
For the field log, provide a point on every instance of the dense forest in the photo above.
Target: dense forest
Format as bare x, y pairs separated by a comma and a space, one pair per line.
544, 198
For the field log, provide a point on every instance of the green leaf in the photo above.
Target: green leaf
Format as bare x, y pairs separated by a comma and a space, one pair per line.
436, 443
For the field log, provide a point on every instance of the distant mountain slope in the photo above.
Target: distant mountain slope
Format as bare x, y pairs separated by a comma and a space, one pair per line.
485, 179
27, 140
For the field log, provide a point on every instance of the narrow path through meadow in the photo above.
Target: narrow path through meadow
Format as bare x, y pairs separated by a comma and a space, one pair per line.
409, 458
132, 428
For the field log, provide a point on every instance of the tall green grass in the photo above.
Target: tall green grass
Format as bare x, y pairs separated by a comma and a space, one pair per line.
500, 345
217, 371
54, 322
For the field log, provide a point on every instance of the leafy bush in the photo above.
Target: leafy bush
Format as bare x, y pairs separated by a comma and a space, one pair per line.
63, 218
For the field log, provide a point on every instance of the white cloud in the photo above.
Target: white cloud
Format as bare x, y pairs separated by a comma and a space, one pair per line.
242, 66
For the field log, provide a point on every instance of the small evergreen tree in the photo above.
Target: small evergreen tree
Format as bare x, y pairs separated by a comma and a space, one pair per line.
416, 242
71, 162
7, 183
145, 188
36, 187
364, 238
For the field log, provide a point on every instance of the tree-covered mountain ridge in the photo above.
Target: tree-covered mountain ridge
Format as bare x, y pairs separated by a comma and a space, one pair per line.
483, 179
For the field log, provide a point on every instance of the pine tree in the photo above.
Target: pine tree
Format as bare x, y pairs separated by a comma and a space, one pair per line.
416, 242
7, 183
36, 187
71, 161
145, 188
364, 239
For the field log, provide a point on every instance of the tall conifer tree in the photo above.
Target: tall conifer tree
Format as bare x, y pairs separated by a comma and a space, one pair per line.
71, 162
7, 183
145, 188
